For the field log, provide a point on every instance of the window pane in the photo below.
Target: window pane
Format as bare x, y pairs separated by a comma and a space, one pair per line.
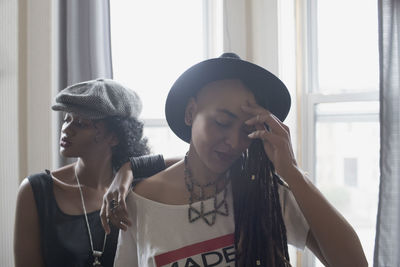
163, 141
343, 110
347, 45
153, 42
347, 164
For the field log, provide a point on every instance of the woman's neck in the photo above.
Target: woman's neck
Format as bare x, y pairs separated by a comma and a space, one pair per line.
199, 171
97, 174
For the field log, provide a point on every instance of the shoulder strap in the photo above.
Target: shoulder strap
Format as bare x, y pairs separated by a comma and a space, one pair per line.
42, 187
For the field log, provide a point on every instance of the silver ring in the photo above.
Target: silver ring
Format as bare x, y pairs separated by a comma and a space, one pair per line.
113, 205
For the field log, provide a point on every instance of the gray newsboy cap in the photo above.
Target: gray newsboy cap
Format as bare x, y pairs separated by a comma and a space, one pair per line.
97, 99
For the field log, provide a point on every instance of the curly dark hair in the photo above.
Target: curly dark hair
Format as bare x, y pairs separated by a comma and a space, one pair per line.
129, 132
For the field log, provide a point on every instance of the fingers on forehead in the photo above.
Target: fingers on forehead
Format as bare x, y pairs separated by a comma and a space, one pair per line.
265, 114
274, 123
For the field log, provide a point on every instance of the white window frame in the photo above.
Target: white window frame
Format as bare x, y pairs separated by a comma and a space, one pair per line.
309, 97
307, 82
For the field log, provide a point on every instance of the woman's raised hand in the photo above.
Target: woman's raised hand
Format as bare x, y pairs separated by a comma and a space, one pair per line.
275, 136
114, 206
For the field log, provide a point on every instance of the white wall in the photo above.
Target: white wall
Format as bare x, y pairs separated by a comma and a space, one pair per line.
39, 85
9, 167
251, 31
25, 98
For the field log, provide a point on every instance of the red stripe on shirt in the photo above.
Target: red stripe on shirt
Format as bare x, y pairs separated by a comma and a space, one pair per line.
185, 252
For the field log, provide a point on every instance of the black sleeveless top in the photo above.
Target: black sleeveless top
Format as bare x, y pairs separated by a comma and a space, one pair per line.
64, 238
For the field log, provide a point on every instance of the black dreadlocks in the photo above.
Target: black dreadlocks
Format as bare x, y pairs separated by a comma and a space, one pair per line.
260, 233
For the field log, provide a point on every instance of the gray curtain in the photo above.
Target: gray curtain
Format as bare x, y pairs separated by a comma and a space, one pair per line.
84, 45
387, 243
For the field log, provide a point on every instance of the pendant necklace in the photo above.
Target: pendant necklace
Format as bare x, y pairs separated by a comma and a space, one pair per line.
220, 208
96, 253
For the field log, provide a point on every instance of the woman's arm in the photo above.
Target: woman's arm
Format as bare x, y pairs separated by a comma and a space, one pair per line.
118, 190
331, 237
140, 167
27, 249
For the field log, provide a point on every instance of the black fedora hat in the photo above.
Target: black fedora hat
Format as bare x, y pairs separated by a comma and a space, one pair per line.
269, 90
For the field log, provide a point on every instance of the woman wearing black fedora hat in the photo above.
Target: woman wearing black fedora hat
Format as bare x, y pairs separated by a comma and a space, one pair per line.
238, 197
57, 218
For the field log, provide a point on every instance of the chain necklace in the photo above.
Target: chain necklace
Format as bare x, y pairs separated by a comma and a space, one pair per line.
219, 208
96, 254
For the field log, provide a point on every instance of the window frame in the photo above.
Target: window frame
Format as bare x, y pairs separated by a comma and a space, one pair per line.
309, 97
307, 82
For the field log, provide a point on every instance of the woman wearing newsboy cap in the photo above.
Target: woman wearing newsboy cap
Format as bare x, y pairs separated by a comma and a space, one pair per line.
238, 198
57, 218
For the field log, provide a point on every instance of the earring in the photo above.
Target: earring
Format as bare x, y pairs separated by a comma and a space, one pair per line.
188, 121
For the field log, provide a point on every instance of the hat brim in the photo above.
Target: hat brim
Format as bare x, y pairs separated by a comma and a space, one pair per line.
269, 90
78, 110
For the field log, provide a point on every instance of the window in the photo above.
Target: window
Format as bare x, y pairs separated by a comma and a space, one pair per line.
340, 108
153, 42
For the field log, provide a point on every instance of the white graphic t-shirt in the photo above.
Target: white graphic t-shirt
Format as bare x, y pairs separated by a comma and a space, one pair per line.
162, 236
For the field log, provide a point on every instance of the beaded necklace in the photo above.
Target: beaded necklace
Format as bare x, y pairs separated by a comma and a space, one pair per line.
219, 208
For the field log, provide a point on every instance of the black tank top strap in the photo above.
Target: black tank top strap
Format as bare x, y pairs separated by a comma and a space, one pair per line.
42, 187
